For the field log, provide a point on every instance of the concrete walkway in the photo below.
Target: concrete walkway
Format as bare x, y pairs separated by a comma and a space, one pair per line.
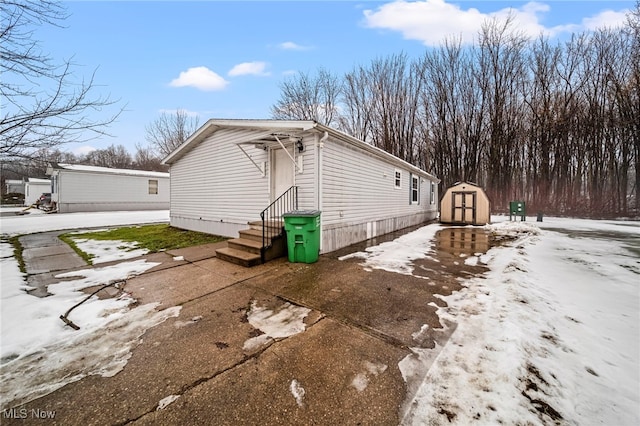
343, 369
45, 256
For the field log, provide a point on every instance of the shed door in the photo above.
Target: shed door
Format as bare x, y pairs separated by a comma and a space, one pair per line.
463, 207
282, 169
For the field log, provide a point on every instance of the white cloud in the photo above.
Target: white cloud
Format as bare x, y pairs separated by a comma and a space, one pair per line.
249, 68
289, 45
432, 21
83, 150
607, 18
201, 78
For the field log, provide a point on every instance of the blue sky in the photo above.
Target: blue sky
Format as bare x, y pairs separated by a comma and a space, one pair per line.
218, 59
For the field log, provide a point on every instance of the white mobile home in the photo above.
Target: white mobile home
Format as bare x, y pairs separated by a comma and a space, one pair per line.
229, 171
79, 188
34, 188
14, 186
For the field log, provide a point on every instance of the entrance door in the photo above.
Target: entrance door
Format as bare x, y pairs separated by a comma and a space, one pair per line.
463, 207
282, 170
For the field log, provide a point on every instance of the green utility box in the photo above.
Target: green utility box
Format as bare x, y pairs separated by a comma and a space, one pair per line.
303, 235
517, 209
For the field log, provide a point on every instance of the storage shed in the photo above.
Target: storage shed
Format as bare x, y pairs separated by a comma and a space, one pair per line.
233, 172
465, 203
79, 188
34, 188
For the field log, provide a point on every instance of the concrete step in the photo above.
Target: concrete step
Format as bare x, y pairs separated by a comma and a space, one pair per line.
239, 257
245, 244
251, 234
275, 224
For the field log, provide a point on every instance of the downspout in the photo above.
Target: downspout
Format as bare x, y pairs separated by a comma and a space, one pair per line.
319, 149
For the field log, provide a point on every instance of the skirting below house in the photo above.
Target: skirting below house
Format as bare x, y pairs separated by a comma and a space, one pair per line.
110, 207
221, 228
337, 236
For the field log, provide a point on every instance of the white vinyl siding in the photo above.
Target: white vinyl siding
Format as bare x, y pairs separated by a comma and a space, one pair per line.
215, 181
305, 181
359, 187
94, 191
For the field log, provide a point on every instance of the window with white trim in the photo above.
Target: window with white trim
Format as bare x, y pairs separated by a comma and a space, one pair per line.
153, 186
415, 189
398, 179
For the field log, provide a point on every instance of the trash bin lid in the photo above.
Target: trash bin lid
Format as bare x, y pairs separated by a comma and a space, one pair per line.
302, 213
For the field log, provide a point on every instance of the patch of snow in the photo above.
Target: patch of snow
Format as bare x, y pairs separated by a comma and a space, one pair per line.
550, 334
178, 258
30, 224
397, 255
180, 324
164, 402
40, 354
297, 391
109, 250
289, 320
472, 261
361, 380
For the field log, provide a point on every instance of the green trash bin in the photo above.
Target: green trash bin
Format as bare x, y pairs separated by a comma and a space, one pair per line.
517, 209
303, 235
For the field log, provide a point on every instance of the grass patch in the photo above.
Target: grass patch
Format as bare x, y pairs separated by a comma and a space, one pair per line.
68, 238
152, 237
17, 252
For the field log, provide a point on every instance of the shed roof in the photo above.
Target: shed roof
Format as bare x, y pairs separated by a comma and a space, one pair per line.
105, 170
283, 126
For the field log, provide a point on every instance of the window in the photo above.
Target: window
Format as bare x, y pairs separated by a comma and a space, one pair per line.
398, 179
433, 193
415, 189
153, 186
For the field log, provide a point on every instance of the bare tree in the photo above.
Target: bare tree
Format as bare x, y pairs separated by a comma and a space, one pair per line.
170, 130
309, 97
146, 159
42, 105
114, 156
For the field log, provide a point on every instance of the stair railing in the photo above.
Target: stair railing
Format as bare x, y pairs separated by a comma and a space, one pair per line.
272, 225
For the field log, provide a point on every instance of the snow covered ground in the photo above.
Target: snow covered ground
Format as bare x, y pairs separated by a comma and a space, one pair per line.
550, 334
38, 353
38, 222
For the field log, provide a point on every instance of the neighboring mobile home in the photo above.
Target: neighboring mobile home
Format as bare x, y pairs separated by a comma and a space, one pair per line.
78, 188
465, 203
229, 171
14, 186
34, 188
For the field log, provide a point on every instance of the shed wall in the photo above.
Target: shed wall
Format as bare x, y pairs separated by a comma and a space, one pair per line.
483, 206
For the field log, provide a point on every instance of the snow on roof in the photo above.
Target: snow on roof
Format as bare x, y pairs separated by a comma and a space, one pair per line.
96, 169
36, 180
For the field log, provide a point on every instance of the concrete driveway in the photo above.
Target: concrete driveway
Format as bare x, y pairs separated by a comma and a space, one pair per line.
342, 369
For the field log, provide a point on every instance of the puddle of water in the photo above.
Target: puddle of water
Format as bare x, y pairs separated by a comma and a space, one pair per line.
463, 241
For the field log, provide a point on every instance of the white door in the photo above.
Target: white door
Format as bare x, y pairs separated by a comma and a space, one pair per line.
282, 169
